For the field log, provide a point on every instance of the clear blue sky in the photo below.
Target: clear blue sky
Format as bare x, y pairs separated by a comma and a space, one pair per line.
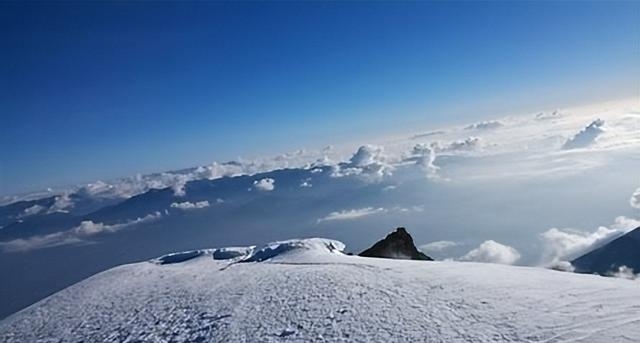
99, 90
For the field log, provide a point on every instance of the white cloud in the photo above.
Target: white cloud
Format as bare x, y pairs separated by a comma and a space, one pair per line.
61, 203
492, 252
625, 224
635, 199
266, 184
190, 205
368, 161
438, 246
425, 157
484, 125
306, 183
563, 266
179, 184
585, 137
624, 272
548, 115
401, 209
127, 187
467, 144
567, 244
351, 214
561, 245
367, 155
33, 210
428, 134
75, 235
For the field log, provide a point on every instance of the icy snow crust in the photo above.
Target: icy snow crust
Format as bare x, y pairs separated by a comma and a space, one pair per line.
307, 290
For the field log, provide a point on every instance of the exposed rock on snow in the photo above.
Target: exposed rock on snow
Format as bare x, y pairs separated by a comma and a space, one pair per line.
232, 253
398, 245
229, 253
178, 257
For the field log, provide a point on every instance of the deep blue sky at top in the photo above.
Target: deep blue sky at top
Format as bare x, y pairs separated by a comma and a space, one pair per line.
98, 90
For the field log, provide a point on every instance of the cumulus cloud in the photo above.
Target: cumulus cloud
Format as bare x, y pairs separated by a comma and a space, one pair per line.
369, 162
635, 199
61, 203
568, 244
563, 266
585, 137
484, 125
624, 272
306, 183
492, 252
625, 224
351, 214
33, 210
179, 184
266, 184
75, 235
190, 205
438, 246
468, 144
425, 157
127, 187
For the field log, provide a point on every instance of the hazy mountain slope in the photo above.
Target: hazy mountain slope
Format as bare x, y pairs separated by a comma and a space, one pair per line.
12, 212
623, 251
307, 291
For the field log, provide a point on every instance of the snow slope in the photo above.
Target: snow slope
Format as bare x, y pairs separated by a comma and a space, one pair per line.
307, 290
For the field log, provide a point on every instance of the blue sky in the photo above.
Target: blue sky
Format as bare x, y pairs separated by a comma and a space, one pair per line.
94, 91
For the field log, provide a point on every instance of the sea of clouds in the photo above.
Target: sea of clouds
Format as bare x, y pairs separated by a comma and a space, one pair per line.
554, 159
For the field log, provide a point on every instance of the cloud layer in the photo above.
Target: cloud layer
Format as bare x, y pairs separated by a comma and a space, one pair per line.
76, 235
190, 205
351, 214
438, 246
484, 125
434, 171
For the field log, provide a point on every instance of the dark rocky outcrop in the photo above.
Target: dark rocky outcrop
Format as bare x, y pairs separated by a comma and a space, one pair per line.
622, 251
397, 245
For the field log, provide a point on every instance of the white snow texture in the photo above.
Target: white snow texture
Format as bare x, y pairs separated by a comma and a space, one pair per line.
307, 290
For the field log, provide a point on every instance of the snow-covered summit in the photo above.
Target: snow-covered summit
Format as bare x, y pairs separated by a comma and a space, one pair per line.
307, 290
289, 250
296, 250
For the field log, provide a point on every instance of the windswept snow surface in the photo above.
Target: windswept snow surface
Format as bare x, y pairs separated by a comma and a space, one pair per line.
306, 290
